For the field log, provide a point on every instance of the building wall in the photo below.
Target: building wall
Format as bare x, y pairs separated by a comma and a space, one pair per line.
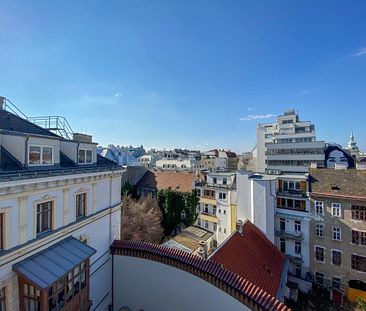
346, 223
101, 226
147, 285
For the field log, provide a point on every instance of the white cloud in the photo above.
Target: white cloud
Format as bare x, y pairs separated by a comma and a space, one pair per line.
250, 108
251, 117
118, 95
304, 92
360, 52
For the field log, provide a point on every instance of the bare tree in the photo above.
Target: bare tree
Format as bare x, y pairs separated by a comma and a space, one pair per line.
141, 220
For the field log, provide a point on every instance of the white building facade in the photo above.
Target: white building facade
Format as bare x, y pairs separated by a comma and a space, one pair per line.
288, 145
279, 205
217, 209
57, 197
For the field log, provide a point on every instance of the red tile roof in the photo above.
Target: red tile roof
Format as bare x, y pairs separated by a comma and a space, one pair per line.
254, 257
217, 272
182, 182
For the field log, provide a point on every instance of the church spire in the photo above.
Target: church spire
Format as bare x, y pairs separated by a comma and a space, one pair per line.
352, 144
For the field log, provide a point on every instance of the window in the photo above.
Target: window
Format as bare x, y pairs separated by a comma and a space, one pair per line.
319, 207
358, 263
40, 155
336, 233
215, 180
319, 253
198, 192
2, 299
224, 211
359, 237
336, 209
206, 224
282, 224
80, 205
214, 209
222, 196
2, 231
298, 271
219, 210
336, 257
297, 225
199, 222
336, 282
358, 212
219, 229
31, 297
44, 217
291, 185
86, 156
224, 181
298, 247
214, 227
319, 231
206, 208
319, 279
283, 245
224, 230
67, 287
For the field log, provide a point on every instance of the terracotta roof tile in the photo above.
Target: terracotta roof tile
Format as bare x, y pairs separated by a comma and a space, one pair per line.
182, 182
259, 295
253, 257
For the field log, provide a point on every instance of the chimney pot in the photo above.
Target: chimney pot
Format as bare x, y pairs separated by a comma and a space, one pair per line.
239, 227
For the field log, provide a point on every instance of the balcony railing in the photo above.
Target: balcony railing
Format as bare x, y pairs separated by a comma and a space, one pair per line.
295, 235
292, 193
300, 209
221, 186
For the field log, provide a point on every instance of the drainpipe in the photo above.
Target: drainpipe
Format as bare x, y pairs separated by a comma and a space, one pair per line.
26, 150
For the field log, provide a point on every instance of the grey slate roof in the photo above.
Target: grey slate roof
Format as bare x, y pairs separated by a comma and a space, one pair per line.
12, 122
47, 266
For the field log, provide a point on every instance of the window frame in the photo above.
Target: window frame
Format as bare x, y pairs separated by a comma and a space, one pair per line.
51, 220
84, 208
359, 211
363, 258
85, 150
335, 232
332, 257
319, 205
336, 209
315, 253
298, 248
317, 230
297, 226
41, 155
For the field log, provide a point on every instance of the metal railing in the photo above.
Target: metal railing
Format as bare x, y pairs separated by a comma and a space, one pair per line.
56, 124
7, 105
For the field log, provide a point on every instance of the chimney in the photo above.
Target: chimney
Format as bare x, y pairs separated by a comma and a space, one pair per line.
202, 252
239, 227
2, 103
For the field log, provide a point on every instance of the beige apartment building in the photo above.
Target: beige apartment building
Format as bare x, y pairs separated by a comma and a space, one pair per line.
338, 232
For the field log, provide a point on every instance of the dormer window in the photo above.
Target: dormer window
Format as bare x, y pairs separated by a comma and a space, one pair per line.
40, 155
85, 156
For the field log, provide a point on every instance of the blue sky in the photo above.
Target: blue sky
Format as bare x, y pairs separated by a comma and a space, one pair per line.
169, 73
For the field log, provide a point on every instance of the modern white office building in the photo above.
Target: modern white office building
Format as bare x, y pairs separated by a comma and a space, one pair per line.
59, 213
289, 145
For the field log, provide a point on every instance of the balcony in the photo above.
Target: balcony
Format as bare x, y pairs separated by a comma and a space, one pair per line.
209, 217
221, 186
208, 200
293, 235
292, 194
